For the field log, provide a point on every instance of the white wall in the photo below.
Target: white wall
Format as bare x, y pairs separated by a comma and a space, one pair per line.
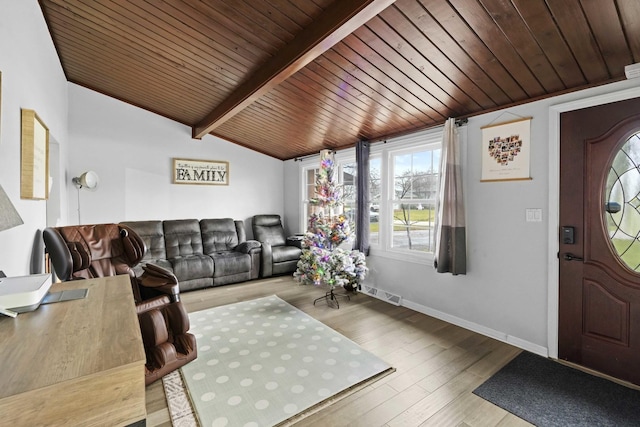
505, 293
132, 150
32, 78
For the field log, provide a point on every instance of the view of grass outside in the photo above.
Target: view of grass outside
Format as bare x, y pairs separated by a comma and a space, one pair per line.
629, 252
622, 199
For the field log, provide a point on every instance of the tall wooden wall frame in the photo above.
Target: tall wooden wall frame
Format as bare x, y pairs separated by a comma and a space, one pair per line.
34, 162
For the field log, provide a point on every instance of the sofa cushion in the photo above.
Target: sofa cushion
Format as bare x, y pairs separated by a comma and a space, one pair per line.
182, 238
218, 235
285, 253
230, 262
195, 266
268, 229
153, 235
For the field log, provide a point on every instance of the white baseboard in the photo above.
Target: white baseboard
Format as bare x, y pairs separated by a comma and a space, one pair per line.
483, 330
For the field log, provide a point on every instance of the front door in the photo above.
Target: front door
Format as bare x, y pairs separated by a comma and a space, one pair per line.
599, 301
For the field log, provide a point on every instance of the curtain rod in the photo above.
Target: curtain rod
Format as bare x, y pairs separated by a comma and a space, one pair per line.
459, 122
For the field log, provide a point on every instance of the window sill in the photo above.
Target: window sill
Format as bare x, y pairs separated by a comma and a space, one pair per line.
422, 258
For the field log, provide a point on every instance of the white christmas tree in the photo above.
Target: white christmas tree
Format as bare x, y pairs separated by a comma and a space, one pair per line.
323, 262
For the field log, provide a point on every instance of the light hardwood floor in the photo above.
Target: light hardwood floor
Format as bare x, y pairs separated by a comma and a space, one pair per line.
438, 365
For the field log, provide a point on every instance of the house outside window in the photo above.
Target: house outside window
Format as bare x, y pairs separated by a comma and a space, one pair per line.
346, 171
403, 191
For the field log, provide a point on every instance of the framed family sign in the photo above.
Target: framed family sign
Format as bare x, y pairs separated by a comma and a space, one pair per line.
209, 172
34, 166
506, 149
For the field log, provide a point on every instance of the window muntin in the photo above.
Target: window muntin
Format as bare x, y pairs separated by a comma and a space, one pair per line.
415, 186
404, 189
622, 203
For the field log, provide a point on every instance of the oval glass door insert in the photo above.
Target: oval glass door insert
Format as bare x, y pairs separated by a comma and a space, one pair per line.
622, 203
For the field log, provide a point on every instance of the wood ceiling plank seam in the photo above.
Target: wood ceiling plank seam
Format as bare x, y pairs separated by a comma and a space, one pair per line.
298, 136
331, 27
329, 108
271, 110
345, 85
241, 132
77, 35
477, 18
574, 27
114, 96
219, 41
161, 45
195, 47
141, 75
157, 47
424, 23
606, 26
470, 44
309, 8
152, 96
340, 65
297, 141
291, 92
256, 20
144, 60
518, 34
142, 99
214, 15
241, 144
289, 112
275, 11
540, 22
284, 113
425, 56
265, 115
629, 11
371, 57
372, 78
351, 102
429, 80
337, 110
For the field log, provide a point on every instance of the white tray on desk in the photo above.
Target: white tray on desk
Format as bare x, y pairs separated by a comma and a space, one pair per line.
24, 293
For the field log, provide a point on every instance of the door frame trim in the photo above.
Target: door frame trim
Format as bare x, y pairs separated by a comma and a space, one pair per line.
553, 281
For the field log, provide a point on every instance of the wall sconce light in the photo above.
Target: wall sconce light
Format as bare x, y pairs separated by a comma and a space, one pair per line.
88, 180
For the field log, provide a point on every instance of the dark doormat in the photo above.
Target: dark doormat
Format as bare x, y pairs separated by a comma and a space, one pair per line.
547, 393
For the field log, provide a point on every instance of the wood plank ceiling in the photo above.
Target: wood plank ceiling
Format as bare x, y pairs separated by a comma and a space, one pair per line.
290, 77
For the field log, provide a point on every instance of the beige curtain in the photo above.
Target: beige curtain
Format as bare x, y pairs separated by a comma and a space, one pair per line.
451, 245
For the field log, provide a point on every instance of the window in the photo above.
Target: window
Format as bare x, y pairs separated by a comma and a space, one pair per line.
346, 173
403, 191
403, 186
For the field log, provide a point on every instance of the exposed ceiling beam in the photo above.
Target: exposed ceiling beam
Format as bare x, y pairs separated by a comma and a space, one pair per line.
338, 21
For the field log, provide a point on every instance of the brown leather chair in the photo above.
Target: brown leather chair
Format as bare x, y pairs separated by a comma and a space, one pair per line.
99, 250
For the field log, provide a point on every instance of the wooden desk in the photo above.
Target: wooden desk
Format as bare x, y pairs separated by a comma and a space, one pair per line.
74, 363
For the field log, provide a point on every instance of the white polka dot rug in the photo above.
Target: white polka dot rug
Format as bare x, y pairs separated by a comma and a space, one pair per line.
265, 363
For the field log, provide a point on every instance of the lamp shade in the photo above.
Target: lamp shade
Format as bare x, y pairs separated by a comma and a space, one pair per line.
88, 180
9, 216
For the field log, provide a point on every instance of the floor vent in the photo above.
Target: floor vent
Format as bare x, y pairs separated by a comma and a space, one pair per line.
383, 295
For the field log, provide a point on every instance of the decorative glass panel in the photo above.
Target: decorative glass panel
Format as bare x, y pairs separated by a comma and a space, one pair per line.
622, 203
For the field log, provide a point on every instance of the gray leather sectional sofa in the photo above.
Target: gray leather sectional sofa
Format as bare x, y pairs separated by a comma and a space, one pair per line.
201, 253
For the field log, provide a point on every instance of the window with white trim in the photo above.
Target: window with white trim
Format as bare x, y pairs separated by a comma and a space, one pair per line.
403, 191
346, 174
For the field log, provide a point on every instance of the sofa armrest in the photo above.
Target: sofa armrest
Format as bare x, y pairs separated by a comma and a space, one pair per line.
160, 280
246, 246
266, 261
296, 240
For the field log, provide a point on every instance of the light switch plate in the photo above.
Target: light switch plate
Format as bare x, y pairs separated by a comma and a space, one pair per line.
533, 214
